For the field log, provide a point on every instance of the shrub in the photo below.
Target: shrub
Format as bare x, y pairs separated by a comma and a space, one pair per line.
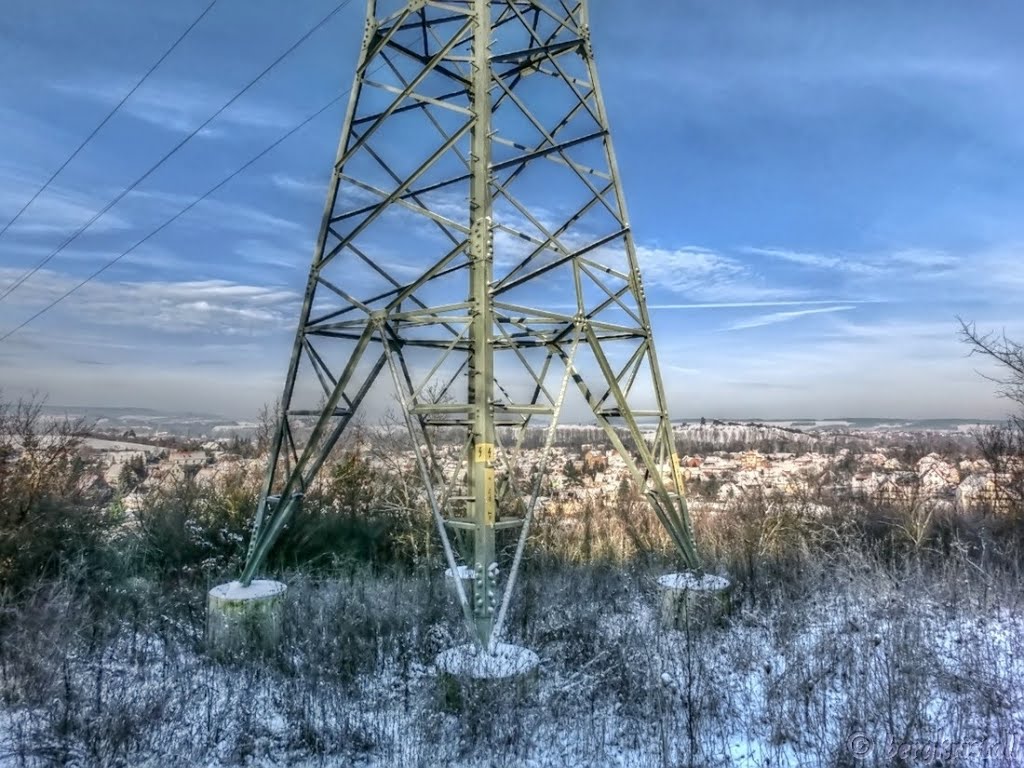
189, 529
50, 516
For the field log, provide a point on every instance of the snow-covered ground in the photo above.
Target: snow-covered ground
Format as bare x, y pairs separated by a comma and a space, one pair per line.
804, 673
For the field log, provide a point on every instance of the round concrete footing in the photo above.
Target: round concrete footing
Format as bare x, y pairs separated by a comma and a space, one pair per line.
693, 599
472, 677
466, 576
245, 618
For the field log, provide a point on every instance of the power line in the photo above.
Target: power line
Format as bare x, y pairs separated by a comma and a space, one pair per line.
281, 139
14, 286
176, 216
106, 119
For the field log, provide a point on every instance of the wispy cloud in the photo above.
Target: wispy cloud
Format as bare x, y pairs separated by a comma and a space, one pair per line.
305, 187
926, 259
783, 76
846, 263
735, 53
177, 105
915, 274
59, 209
865, 264
751, 304
706, 274
295, 256
774, 318
220, 214
864, 171
220, 307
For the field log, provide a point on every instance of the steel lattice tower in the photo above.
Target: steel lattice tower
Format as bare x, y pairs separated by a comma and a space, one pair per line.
475, 245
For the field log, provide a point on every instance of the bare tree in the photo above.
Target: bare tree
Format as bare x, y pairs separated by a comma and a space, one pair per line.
36, 456
266, 426
1002, 446
1009, 354
49, 516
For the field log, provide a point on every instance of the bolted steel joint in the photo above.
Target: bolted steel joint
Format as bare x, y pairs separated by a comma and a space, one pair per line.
588, 48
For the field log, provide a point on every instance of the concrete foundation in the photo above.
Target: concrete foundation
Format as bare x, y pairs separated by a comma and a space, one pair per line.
693, 599
472, 678
248, 618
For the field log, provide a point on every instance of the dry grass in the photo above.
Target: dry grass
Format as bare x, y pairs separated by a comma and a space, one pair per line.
848, 619
809, 657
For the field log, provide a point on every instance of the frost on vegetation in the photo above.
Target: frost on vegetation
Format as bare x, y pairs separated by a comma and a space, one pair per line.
694, 582
465, 572
506, 660
786, 682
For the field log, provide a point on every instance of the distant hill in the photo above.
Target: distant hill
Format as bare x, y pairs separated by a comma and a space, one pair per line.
109, 412
860, 422
150, 421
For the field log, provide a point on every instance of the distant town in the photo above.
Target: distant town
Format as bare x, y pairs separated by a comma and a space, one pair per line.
131, 452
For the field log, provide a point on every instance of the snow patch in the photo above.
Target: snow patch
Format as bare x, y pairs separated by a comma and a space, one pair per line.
472, 661
261, 588
464, 571
697, 582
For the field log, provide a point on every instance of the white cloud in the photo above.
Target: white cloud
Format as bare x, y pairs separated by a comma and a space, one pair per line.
856, 265
180, 105
58, 209
995, 274
296, 256
299, 186
705, 274
219, 307
926, 259
221, 214
904, 329
798, 257
774, 318
750, 304
982, 273
906, 366
790, 57
902, 368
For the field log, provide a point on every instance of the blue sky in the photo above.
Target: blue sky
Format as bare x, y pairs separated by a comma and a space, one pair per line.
817, 190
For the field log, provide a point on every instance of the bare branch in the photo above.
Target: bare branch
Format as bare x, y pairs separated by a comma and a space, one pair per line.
1008, 353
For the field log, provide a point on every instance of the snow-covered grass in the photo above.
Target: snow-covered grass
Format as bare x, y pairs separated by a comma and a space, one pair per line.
803, 664
470, 661
688, 581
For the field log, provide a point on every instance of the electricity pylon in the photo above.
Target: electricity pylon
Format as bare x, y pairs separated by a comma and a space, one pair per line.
475, 243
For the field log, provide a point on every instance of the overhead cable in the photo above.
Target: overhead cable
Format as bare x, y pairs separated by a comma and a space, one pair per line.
176, 216
14, 286
106, 119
